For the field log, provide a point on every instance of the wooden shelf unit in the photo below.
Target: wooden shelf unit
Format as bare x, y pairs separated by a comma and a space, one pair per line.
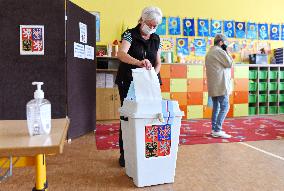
107, 99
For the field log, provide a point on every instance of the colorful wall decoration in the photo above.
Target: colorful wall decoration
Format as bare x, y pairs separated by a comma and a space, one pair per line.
188, 27
232, 29
167, 44
216, 27
98, 25
282, 32
274, 32
229, 29
182, 46
235, 46
200, 46
174, 25
161, 30
263, 31
190, 42
203, 27
251, 30
240, 29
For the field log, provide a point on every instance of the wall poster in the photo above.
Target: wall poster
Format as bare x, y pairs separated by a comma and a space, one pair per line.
174, 25
274, 32
240, 29
263, 31
251, 30
31, 39
188, 27
98, 25
203, 27
161, 30
182, 46
200, 46
216, 27
229, 29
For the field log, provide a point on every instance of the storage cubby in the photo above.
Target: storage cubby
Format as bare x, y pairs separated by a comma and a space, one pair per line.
273, 108
281, 74
252, 110
262, 109
252, 98
281, 97
262, 74
266, 89
281, 108
253, 74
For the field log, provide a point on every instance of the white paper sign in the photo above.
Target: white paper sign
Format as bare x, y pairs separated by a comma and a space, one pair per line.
109, 81
83, 32
101, 80
89, 50
79, 50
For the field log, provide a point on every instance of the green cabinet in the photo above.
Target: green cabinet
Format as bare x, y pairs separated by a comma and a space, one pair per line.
266, 89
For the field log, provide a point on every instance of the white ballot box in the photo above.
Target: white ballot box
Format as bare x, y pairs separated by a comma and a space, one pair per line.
150, 131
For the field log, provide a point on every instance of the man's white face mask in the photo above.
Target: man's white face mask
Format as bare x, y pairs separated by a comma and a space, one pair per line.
147, 30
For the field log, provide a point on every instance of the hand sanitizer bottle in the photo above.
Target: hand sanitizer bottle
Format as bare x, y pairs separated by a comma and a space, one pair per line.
39, 113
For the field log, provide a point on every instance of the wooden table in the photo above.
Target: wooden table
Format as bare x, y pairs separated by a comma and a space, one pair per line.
16, 142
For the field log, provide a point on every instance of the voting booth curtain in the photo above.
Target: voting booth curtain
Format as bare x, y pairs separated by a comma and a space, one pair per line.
69, 82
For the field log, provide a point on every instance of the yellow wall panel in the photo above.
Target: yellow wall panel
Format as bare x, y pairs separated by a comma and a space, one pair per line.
114, 18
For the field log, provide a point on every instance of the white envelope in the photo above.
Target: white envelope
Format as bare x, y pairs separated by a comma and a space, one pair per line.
145, 85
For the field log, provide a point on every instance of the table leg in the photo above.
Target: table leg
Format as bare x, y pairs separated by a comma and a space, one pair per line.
41, 183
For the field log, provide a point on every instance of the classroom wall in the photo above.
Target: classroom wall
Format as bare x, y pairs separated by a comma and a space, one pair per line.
118, 14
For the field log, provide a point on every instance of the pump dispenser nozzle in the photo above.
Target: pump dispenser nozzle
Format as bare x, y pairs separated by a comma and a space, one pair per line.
38, 94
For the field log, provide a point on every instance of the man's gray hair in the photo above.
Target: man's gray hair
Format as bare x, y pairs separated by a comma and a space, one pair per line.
218, 38
150, 14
